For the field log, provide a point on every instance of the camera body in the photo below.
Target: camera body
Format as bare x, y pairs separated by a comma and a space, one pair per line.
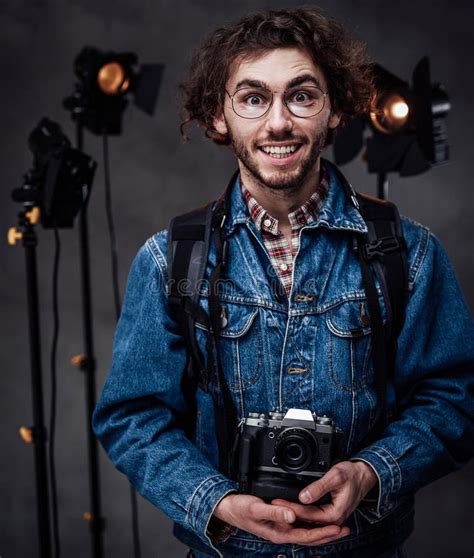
278, 455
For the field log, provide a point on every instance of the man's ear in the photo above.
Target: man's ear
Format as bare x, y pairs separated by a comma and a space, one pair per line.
220, 124
334, 119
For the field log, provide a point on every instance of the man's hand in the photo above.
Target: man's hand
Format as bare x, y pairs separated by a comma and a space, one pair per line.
348, 482
273, 522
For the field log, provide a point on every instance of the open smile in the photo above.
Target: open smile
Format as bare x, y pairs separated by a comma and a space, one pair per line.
280, 153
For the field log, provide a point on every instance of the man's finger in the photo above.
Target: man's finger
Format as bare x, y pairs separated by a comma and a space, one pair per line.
343, 533
271, 531
326, 514
316, 536
305, 536
262, 511
309, 513
333, 479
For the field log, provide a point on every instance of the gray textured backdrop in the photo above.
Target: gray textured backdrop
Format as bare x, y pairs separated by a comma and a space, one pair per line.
154, 177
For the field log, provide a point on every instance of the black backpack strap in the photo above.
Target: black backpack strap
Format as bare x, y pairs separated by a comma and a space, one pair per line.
385, 249
189, 240
224, 409
188, 246
382, 254
379, 349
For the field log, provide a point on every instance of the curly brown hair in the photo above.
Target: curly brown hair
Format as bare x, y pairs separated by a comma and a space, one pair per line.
338, 53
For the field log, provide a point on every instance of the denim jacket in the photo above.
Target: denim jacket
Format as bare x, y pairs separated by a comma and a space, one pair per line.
312, 351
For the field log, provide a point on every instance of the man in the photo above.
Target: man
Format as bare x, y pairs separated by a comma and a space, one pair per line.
295, 330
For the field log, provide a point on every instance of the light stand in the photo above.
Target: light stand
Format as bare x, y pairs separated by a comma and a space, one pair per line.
37, 433
382, 186
105, 80
87, 364
53, 193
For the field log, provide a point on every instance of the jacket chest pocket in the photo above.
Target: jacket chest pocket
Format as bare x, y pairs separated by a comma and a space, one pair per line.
349, 345
240, 345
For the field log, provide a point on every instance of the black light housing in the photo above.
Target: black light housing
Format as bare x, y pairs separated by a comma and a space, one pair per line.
60, 178
105, 80
407, 124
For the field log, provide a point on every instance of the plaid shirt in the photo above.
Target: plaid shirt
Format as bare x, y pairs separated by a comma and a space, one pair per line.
280, 252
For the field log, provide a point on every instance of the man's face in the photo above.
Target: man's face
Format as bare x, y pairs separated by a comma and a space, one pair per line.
253, 139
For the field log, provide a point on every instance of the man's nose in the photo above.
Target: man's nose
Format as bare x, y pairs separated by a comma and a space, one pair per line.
278, 118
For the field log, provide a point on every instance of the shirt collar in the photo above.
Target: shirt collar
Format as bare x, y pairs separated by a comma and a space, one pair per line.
301, 216
336, 211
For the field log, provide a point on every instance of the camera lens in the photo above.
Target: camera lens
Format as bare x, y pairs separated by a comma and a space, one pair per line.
294, 449
294, 452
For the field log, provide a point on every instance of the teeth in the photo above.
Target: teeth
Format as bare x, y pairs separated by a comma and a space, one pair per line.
279, 151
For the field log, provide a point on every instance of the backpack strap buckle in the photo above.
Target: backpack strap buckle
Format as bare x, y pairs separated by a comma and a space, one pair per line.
382, 246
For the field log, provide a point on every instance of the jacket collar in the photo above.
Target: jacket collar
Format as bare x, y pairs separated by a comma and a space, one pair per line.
337, 211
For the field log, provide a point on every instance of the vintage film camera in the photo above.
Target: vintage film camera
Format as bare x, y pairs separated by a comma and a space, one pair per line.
277, 456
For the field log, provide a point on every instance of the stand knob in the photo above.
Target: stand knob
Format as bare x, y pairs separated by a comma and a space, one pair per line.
88, 516
13, 235
33, 215
77, 360
26, 434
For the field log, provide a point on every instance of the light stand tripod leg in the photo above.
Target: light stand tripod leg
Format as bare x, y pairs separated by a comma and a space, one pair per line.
87, 365
39, 429
382, 186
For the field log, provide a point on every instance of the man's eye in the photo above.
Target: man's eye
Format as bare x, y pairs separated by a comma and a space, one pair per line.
254, 100
301, 97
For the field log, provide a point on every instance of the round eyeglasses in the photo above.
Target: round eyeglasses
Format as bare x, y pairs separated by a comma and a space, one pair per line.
304, 102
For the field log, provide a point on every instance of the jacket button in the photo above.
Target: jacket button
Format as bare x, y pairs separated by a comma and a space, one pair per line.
223, 318
364, 318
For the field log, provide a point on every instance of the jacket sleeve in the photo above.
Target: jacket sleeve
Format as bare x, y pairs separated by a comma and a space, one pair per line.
135, 416
434, 378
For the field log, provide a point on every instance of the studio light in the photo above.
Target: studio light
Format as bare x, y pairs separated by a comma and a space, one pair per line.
390, 114
406, 127
59, 178
106, 81
112, 79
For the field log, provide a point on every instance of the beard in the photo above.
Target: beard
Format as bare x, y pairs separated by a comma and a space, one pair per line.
281, 180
